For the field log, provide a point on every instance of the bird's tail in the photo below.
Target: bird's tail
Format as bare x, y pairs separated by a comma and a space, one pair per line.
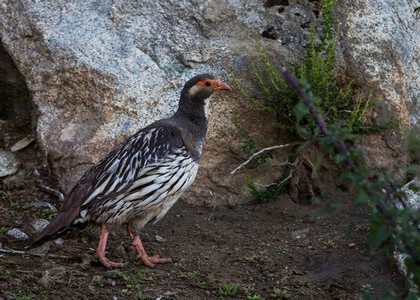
56, 228
65, 218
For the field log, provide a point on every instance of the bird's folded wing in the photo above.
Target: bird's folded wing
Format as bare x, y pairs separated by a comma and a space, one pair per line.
127, 164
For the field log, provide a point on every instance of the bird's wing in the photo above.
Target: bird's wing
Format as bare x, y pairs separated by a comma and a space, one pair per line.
129, 162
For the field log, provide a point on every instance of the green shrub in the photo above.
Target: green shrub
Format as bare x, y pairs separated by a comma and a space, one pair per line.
342, 104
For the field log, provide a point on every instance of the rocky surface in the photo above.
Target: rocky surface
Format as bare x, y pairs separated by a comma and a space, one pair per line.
381, 51
9, 163
17, 234
380, 42
100, 70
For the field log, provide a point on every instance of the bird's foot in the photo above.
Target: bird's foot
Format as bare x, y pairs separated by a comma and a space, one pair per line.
110, 264
151, 261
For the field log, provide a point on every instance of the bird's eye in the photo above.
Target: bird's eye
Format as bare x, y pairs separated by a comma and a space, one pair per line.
207, 83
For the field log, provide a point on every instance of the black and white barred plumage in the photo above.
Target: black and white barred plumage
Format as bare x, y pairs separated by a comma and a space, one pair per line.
140, 180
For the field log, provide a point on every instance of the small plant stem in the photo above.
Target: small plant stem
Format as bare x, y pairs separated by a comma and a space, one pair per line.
53, 192
20, 252
260, 152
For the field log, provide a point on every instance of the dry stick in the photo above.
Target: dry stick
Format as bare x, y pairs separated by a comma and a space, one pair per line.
340, 148
258, 153
53, 192
19, 252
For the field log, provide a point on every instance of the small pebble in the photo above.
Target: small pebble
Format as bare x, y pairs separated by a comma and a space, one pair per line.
45, 280
352, 245
300, 234
59, 241
9, 163
159, 239
17, 234
23, 143
39, 224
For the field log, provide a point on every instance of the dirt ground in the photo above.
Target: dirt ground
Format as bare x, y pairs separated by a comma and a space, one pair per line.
275, 250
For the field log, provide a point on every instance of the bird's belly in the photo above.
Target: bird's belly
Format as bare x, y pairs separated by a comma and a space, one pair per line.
153, 214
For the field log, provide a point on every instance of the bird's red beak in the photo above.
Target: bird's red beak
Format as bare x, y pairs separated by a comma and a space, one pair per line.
219, 85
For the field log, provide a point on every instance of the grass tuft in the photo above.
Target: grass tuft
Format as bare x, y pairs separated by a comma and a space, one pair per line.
228, 289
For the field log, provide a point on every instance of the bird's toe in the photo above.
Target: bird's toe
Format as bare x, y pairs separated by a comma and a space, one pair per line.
151, 261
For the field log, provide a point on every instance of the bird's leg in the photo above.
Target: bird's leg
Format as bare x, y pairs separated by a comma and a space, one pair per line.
101, 249
149, 261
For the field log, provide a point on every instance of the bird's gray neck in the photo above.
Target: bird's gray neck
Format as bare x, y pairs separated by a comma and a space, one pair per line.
193, 129
195, 116
195, 123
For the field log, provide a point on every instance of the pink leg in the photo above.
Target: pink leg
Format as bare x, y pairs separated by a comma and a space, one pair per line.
101, 249
149, 261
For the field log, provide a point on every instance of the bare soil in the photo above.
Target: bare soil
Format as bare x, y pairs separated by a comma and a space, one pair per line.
275, 250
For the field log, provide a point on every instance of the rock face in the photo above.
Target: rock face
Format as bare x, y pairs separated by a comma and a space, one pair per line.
8, 163
380, 42
100, 70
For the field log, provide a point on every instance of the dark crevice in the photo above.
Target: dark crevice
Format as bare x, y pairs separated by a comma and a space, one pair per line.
16, 107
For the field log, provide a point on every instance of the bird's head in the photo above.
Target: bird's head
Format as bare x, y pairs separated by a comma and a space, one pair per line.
201, 87
196, 93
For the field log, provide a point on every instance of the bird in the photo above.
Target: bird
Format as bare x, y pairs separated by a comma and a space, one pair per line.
142, 178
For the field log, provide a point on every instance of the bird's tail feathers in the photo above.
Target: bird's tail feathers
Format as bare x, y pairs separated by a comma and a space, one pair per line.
65, 218
56, 228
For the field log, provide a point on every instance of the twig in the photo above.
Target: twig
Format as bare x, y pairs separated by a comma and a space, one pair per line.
258, 153
53, 192
268, 185
20, 252
288, 164
296, 166
291, 172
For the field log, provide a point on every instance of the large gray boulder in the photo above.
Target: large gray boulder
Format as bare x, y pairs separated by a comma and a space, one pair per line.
380, 43
100, 70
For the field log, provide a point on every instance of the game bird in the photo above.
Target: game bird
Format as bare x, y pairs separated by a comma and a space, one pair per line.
142, 178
